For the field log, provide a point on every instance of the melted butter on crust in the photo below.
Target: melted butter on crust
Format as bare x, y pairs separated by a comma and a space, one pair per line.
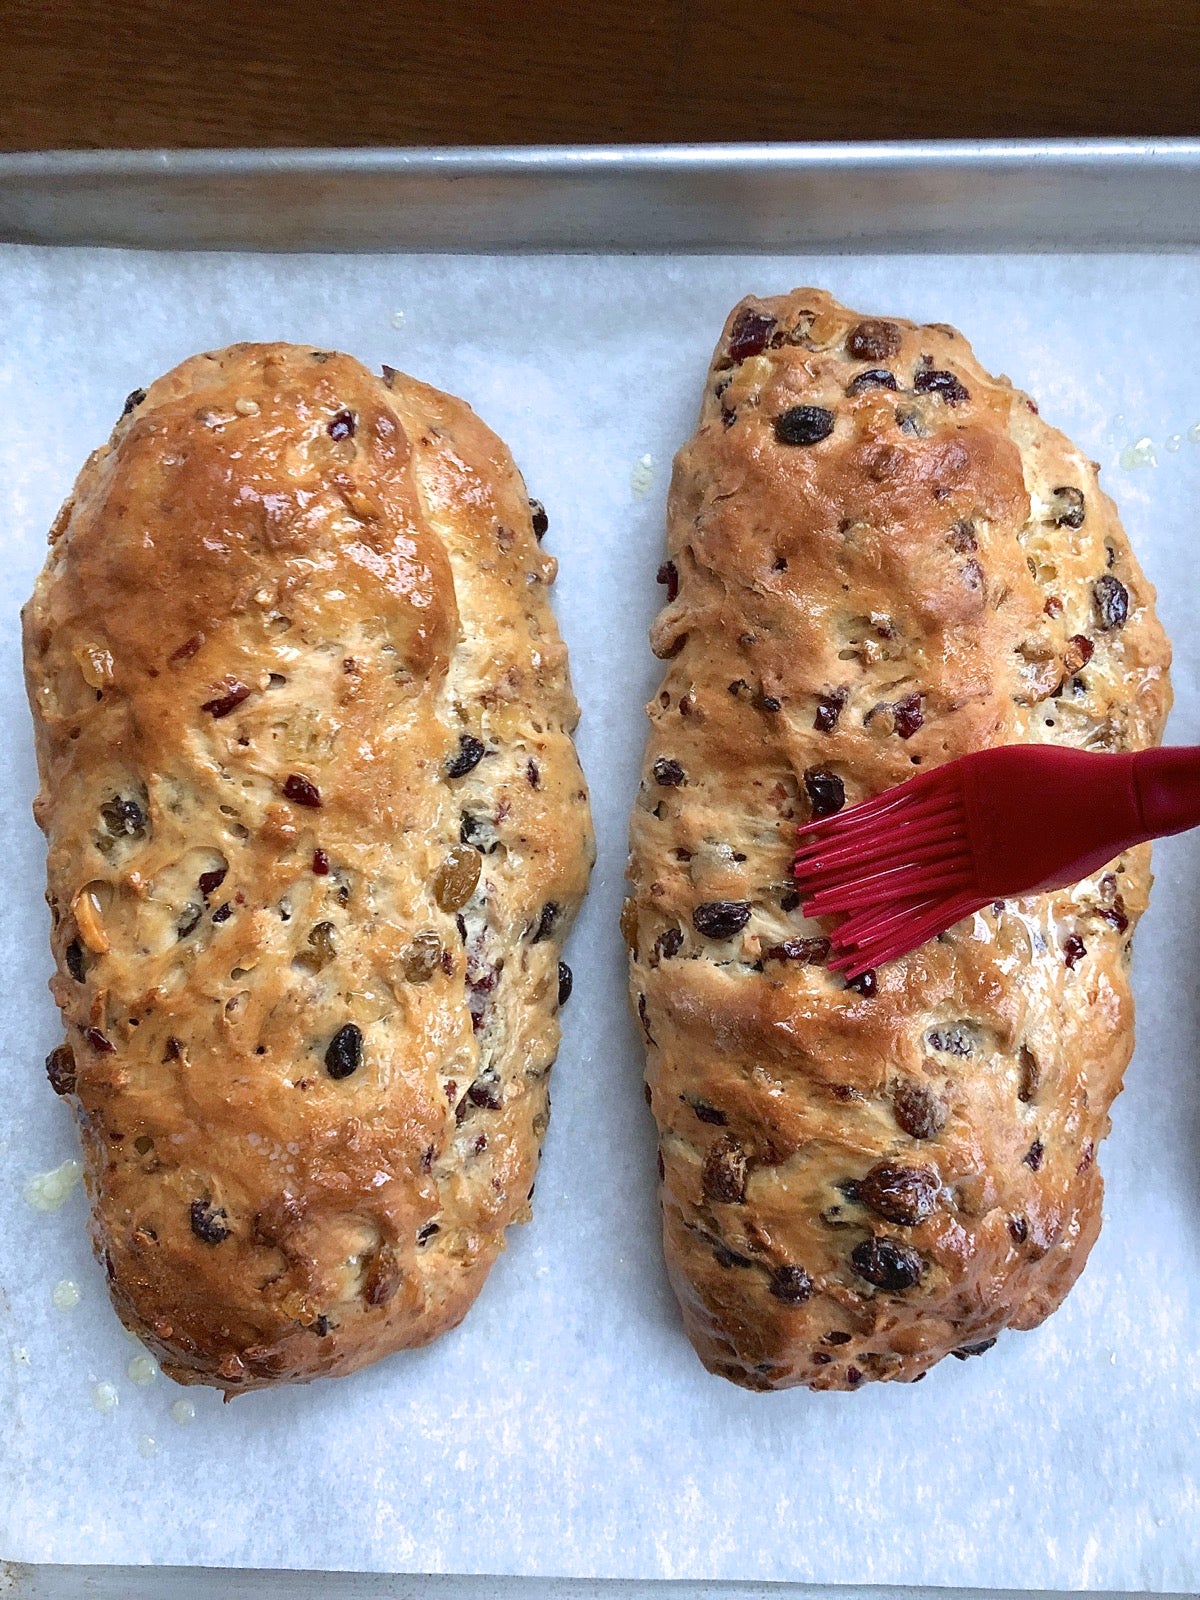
305, 585
910, 566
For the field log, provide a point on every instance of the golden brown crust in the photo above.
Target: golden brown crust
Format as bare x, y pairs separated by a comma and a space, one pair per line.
279, 606
857, 1184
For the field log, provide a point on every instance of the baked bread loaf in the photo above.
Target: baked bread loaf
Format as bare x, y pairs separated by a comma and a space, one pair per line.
316, 833
880, 557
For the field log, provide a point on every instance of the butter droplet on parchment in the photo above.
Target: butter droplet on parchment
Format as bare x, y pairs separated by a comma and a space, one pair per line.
105, 1397
642, 475
143, 1369
46, 1191
65, 1295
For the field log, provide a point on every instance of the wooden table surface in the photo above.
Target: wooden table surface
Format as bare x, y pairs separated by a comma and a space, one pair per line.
295, 72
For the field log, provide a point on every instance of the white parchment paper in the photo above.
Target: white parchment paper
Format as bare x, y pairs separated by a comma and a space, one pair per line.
566, 1428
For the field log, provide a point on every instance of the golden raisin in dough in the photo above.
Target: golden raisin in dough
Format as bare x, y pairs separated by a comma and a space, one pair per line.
292, 633
879, 557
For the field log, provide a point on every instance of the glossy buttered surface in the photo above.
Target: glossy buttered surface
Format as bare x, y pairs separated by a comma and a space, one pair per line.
316, 833
879, 557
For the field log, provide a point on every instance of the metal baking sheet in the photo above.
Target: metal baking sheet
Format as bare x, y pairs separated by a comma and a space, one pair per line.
1072, 196
860, 200
194, 1583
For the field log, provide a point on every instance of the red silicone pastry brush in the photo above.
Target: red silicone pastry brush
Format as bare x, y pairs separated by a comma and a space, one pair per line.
993, 825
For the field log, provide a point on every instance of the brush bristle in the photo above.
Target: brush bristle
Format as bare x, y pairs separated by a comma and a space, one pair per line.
898, 870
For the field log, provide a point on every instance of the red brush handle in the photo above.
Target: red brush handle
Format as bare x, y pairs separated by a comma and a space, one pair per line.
1042, 817
1168, 790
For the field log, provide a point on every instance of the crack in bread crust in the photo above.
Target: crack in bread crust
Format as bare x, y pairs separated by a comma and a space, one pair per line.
879, 557
304, 734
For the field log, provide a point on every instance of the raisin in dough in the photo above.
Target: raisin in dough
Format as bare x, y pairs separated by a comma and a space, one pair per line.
879, 557
316, 833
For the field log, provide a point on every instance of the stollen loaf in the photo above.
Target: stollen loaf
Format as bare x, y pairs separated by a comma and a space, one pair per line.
316, 833
879, 557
